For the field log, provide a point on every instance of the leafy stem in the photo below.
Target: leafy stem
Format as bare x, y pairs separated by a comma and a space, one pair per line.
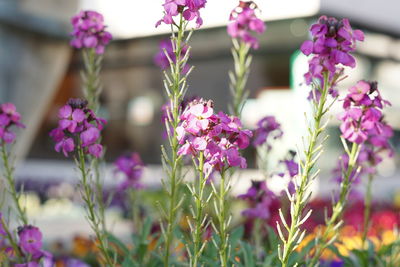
92, 214
301, 196
223, 221
9, 177
334, 223
238, 77
198, 216
175, 86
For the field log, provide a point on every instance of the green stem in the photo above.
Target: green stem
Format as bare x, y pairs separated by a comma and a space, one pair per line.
175, 161
257, 235
92, 214
9, 176
308, 164
199, 213
367, 209
222, 222
92, 87
238, 84
137, 224
332, 225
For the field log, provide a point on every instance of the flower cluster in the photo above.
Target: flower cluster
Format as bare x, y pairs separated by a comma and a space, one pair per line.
190, 10
267, 127
244, 22
332, 43
131, 166
89, 31
218, 136
78, 128
30, 247
362, 119
8, 117
260, 199
166, 53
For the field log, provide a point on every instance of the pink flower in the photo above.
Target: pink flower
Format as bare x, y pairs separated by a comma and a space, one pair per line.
219, 137
244, 22
78, 126
190, 9
8, 117
362, 118
89, 31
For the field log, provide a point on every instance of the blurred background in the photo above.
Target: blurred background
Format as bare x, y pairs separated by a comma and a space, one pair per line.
39, 72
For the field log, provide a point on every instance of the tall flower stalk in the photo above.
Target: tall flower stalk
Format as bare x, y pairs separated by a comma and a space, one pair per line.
94, 217
223, 218
90, 35
215, 140
199, 217
9, 117
332, 43
243, 22
175, 84
361, 124
78, 132
334, 223
9, 177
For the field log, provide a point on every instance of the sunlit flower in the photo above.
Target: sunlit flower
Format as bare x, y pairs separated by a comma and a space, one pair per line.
189, 9
218, 136
331, 47
244, 23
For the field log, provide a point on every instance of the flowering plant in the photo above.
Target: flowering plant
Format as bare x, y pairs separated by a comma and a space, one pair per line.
197, 224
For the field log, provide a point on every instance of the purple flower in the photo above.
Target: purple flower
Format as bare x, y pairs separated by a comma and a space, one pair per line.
363, 123
131, 166
218, 136
161, 59
267, 127
30, 241
189, 9
332, 44
244, 22
363, 118
292, 169
259, 198
78, 127
89, 31
8, 117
